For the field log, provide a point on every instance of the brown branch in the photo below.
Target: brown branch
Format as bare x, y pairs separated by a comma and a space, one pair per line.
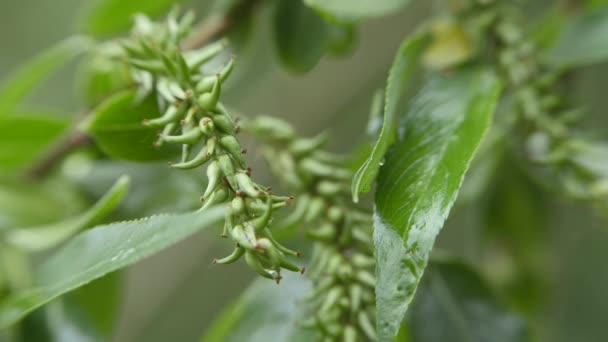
72, 142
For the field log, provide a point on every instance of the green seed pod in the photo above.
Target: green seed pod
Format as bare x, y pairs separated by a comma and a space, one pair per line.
214, 176
237, 205
271, 128
217, 197
186, 149
236, 255
361, 235
167, 130
273, 254
367, 326
243, 238
252, 260
366, 278
335, 214
332, 297
169, 65
333, 263
183, 71
355, 293
246, 185
350, 334
190, 137
304, 146
233, 147
208, 101
282, 248
197, 58
201, 158
153, 66
211, 144
329, 188
224, 123
362, 260
298, 212
227, 167
227, 224
172, 114
206, 126
262, 221
319, 169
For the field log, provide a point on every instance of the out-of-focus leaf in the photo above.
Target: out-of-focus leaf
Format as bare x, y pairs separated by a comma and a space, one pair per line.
49, 235
25, 204
583, 41
24, 138
20, 83
451, 45
110, 17
342, 40
301, 36
100, 76
351, 10
116, 125
265, 312
454, 304
401, 72
420, 180
102, 250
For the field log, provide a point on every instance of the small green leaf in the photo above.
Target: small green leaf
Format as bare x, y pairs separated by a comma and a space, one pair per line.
116, 125
420, 180
47, 236
455, 304
25, 137
301, 35
401, 72
265, 312
583, 41
102, 250
110, 17
21, 82
352, 10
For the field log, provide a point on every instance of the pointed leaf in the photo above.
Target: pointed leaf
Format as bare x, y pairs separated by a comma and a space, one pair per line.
102, 250
49, 235
21, 82
401, 72
455, 304
351, 10
420, 180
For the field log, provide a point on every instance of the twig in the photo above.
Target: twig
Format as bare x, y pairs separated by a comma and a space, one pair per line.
72, 142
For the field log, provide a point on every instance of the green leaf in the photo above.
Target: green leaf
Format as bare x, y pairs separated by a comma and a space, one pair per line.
401, 72
21, 82
49, 235
116, 125
301, 36
455, 304
102, 250
25, 137
265, 312
110, 17
351, 10
420, 180
583, 41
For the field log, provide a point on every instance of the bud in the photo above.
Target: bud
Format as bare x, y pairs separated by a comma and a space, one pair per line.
206, 126
232, 146
201, 158
190, 137
224, 123
208, 101
236, 255
246, 185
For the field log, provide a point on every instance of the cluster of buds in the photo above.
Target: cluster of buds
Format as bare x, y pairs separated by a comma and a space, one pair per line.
342, 264
538, 105
195, 118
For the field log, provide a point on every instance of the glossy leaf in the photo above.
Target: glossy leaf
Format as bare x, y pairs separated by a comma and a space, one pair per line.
25, 137
583, 40
420, 180
109, 17
454, 304
21, 82
116, 125
265, 312
351, 10
404, 65
102, 250
49, 235
301, 36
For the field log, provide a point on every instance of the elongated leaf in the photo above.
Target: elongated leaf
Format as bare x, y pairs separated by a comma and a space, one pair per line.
25, 137
350, 10
102, 250
301, 36
109, 17
116, 125
265, 312
454, 304
20, 83
404, 65
49, 235
583, 41
420, 180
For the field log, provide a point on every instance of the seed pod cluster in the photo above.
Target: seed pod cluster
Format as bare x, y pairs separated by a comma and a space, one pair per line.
538, 107
342, 263
195, 118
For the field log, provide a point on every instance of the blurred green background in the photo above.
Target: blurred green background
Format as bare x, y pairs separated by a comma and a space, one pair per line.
175, 295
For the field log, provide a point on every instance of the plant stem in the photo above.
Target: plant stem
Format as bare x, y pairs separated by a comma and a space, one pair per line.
75, 140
